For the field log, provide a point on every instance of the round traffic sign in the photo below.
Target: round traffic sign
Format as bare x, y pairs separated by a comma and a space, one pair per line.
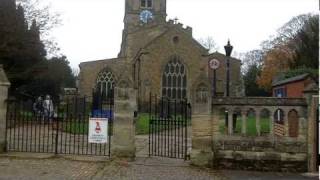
214, 64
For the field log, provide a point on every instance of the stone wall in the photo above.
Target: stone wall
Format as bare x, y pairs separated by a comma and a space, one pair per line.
260, 154
89, 73
163, 48
231, 149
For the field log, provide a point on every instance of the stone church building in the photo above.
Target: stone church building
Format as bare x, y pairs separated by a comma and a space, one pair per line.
159, 57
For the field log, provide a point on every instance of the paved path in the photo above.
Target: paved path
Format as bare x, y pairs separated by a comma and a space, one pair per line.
156, 169
141, 169
51, 169
142, 142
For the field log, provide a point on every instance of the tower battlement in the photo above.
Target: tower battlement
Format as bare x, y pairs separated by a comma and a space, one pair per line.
181, 26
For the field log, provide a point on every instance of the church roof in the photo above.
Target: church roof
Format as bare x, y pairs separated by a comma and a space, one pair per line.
95, 61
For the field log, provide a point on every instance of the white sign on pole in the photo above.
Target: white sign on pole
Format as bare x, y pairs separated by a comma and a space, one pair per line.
214, 64
98, 130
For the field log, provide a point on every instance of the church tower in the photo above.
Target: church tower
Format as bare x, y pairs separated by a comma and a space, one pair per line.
140, 12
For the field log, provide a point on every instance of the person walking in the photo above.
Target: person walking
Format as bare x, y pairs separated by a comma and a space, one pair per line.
48, 108
38, 106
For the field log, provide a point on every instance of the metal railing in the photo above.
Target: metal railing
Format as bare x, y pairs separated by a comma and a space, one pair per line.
64, 130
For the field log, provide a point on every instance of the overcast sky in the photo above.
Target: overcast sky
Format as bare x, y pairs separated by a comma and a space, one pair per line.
92, 29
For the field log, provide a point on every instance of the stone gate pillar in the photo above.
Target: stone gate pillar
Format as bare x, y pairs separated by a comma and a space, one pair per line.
123, 140
312, 98
4, 85
202, 131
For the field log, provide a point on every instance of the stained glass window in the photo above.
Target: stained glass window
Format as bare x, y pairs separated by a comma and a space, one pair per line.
174, 79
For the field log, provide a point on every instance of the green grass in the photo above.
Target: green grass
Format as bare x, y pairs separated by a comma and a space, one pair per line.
80, 127
76, 127
142, 124
265, 125
251, 126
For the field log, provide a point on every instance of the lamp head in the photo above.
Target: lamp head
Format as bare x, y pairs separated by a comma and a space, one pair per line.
228, 48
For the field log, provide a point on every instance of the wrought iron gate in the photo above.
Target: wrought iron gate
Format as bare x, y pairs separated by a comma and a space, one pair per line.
64, 131
168, 127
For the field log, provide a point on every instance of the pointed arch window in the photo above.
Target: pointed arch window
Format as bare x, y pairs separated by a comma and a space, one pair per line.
105, 83
174, 79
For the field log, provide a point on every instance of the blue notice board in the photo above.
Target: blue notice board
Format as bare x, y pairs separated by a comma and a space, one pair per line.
98, 113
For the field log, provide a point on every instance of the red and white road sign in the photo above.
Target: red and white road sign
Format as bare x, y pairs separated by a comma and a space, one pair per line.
214, 64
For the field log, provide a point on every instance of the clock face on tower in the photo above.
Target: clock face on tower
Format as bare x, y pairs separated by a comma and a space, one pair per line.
146, 16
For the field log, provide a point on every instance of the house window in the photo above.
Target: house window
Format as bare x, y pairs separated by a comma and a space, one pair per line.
280, 92
146, 3
174, 79
105, 83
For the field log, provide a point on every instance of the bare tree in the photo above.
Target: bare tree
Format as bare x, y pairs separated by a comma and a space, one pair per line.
252, 58
46, 20
209, 44
75, 72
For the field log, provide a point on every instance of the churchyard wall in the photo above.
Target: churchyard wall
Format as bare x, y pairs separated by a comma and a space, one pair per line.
255, 140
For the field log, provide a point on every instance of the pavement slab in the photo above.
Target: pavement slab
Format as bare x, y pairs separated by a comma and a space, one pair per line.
51, 169
143, 168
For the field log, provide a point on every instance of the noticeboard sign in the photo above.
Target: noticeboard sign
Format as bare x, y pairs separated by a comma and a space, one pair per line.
98, 130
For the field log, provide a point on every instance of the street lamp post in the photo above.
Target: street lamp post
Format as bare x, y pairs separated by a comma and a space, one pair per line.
228, 48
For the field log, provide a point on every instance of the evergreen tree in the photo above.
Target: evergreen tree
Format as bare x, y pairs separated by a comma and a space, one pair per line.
21, 50
23, 55
307, 44
57, 76
250, 79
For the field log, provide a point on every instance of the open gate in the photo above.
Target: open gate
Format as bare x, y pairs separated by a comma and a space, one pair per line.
168, 127
63, 131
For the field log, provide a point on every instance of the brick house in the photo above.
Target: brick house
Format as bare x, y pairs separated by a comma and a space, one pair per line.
292, 87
